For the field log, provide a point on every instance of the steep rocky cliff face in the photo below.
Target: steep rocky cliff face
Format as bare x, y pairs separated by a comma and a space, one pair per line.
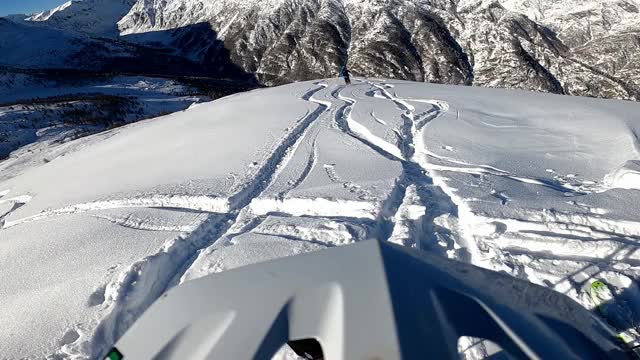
576, 47
577, 21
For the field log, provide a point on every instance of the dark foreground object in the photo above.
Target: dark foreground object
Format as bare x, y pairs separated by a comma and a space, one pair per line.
370, 300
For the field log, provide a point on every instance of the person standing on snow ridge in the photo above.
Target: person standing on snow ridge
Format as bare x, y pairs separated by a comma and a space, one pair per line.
345, 73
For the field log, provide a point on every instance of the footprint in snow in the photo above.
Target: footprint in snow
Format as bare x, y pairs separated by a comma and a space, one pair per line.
69, 337
97, 297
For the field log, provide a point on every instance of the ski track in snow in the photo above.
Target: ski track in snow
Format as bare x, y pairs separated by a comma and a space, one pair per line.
421, 211
137, 288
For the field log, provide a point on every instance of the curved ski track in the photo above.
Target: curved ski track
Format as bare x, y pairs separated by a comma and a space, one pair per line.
138, 287
419, 212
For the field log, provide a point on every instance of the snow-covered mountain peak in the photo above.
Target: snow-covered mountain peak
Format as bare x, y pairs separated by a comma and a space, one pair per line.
93, 17
576, 47
149, 15
46, 15
579, 21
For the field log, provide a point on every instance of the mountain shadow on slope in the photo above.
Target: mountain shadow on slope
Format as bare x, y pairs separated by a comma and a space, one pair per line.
193, 50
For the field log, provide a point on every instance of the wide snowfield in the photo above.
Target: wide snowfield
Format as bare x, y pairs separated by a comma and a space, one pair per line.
543, 187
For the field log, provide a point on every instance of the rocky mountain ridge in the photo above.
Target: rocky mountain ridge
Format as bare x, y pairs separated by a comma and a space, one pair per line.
588, 48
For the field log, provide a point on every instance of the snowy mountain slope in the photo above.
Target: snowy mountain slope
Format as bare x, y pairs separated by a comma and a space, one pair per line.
524, 188
457, 42
603, 35
578, 22
586, 48
541, 186
28, 45
40, 114
93, 17
46, 15
24, 45
174, 196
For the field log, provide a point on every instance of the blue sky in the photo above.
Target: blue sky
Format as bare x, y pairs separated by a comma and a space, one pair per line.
27, 6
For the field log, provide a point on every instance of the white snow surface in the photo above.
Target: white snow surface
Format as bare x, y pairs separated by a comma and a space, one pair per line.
540, 186
39, 132
46, 15
93, 17
50, 47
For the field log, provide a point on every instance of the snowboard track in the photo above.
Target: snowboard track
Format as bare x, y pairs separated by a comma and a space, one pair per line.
139, 286
442, 229
431, 196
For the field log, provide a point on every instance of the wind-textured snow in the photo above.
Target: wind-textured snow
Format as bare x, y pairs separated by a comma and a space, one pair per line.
539, 186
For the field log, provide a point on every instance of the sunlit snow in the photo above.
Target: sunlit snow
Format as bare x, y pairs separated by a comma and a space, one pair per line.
543, 187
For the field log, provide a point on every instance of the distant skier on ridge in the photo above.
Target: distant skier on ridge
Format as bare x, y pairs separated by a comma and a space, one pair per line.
345, 74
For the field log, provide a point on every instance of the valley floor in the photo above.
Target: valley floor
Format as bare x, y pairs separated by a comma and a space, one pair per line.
543, 187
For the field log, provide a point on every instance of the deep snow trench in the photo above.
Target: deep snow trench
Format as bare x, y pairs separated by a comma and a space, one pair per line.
539, 186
